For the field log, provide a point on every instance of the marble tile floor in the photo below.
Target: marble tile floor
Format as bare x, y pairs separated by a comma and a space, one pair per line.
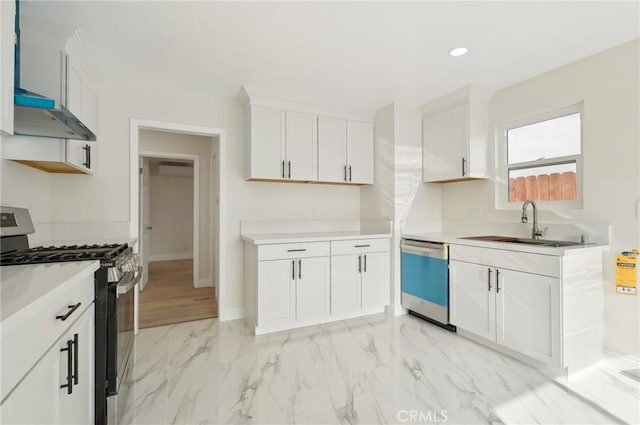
372, 370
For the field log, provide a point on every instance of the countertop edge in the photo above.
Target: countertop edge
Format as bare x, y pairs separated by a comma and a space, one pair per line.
257, 239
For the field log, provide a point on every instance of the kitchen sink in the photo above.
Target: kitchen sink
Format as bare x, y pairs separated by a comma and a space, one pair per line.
525, 241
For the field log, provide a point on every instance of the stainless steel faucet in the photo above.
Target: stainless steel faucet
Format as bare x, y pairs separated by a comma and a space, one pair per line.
535, 232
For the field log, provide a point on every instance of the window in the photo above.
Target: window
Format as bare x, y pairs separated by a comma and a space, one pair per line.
542, 159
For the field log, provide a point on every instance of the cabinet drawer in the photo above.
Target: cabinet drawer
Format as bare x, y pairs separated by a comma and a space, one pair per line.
546, 265
25, 341
357, 246
293, 250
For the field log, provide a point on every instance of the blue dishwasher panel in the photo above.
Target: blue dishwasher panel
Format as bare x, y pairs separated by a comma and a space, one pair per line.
426, 278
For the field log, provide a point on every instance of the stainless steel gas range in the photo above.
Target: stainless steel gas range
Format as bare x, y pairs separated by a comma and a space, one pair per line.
114, 283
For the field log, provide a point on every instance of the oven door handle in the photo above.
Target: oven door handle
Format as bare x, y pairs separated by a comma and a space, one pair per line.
126, 287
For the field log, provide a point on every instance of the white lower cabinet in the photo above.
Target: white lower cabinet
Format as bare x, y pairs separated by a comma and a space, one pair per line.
40, 397
515, 309
298, 284
346, 284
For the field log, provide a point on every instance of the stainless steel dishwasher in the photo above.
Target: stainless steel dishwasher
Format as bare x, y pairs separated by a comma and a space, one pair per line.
425, 280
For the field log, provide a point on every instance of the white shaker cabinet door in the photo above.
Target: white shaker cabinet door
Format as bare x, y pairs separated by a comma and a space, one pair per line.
346, 282
375, 280
445, 139
81, 154
7, 37
528, 314
74, 88
301, 146
472, 298
312, 294
77, 407
267, 143
276, 292
332, 150
360, 152
36, 399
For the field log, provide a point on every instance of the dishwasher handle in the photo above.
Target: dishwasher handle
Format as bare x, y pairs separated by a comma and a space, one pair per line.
426, 249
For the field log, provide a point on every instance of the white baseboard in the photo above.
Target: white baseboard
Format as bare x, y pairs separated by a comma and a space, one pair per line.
231, 314
204, 283
170, 257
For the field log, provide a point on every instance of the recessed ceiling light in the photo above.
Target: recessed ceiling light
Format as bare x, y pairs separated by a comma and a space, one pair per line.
458, 51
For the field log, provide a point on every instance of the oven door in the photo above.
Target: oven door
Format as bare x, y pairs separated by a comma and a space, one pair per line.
120, 327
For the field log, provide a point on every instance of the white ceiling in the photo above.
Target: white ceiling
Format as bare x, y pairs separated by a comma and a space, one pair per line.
357, 55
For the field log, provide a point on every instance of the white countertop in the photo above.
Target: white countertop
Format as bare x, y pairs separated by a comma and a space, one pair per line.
21, 287
273, 238
456, 239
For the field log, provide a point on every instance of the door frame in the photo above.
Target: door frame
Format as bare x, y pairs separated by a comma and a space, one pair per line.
218, 139
196, 208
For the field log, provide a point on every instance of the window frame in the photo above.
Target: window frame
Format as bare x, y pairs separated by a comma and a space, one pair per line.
502, 167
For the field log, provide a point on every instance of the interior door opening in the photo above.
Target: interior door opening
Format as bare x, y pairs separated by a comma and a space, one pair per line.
178, 218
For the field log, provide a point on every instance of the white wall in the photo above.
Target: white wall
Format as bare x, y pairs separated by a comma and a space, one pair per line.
398, 193
158, 141
171, 200
26, 187
608, 84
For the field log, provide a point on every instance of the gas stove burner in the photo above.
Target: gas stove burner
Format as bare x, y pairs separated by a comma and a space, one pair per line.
55, 254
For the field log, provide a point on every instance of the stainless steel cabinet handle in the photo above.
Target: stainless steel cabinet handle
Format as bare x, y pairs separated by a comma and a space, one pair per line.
349, 172
289, 169
359, 263
293, 269
283, 168
365, 263
497, 281
69, 384
463, 163
489, 279
299, 269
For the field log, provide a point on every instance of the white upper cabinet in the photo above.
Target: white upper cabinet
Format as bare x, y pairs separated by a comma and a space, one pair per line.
266, 143
360, 152
7, 43
301, 143
454, 140
297, 143
332, 150
345, 151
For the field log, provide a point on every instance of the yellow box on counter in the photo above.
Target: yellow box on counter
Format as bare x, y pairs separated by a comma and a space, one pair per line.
627, 273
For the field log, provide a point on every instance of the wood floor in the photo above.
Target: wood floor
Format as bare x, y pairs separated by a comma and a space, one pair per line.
169, 296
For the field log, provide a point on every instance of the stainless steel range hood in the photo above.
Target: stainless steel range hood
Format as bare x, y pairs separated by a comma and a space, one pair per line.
43, 116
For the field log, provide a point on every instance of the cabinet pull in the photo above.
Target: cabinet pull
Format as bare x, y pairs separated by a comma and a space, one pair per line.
489, 280
296, 250
289, 169
359, 263
463, 168
349, 172
345, 172
283, 168
293, 269
69, 313
361, 246
299, 269
497, 281
75, 359
69, 384
87, 156
365, 263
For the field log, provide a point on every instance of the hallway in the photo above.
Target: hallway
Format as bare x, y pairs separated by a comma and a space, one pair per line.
169, 296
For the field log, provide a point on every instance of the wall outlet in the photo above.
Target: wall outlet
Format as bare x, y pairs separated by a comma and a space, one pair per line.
475, 211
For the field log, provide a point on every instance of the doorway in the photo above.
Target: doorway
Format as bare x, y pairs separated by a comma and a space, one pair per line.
198, 266
172, 288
